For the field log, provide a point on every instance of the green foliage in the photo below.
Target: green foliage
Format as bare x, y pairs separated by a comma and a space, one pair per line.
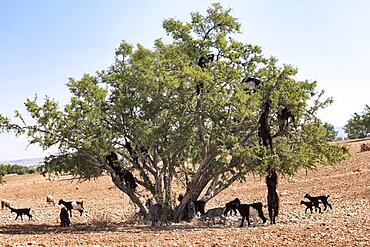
146, 107
331, 133
359, 125
13, 169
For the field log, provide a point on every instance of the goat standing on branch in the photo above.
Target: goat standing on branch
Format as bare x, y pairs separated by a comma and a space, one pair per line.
264, 125
123, 174
284, 117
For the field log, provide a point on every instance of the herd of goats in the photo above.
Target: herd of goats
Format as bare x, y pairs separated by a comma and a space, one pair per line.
156, 211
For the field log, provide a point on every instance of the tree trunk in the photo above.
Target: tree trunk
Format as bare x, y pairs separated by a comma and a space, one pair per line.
196, 186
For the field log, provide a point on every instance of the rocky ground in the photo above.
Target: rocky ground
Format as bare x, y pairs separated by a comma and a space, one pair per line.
110, 221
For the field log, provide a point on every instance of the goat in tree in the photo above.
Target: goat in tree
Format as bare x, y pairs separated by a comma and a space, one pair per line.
264, 126
284, 117
253, 83
123, 174
202, 62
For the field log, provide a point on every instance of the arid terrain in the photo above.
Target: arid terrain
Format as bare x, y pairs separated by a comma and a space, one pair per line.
109, 220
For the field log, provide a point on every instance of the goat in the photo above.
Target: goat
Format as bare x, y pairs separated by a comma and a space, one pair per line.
232, 206
156, 212
76, 205
203, 60
64, 218
50, 200
252, 83
284, 119
123, 174
213, 213
254, 210
21, 211
5, 203
192, 208
264, 126
273, 201
317, 199
311, 204
365, 147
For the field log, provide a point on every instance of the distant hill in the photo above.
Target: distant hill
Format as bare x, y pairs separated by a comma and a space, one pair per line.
31, 163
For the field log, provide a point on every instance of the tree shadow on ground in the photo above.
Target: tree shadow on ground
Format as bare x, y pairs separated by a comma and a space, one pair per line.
81, 228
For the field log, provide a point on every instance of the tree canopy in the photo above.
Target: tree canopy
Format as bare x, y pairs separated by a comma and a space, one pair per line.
359, 125
175, 122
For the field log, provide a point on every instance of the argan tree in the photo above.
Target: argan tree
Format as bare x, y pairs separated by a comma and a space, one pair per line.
359, 125
174, 120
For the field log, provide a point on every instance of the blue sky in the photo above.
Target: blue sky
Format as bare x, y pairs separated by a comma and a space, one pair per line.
43, 42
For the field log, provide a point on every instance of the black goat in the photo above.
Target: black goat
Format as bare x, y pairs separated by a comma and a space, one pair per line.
264, 126
273, 201
21, 211
284, 117
64, 217
123, 174
317, 199
76, 205
232, 206
203, 60
254, 210
192, 208
309, 206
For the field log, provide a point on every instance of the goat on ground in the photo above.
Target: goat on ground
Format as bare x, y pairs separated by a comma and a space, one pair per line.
251, 210
21, 211
317, 199
311, 204
64, 217
156, 212
365, 147
273, 200
264, 125
232, 206
50, 200
5, 203
76, 205
192, 208
213, 213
